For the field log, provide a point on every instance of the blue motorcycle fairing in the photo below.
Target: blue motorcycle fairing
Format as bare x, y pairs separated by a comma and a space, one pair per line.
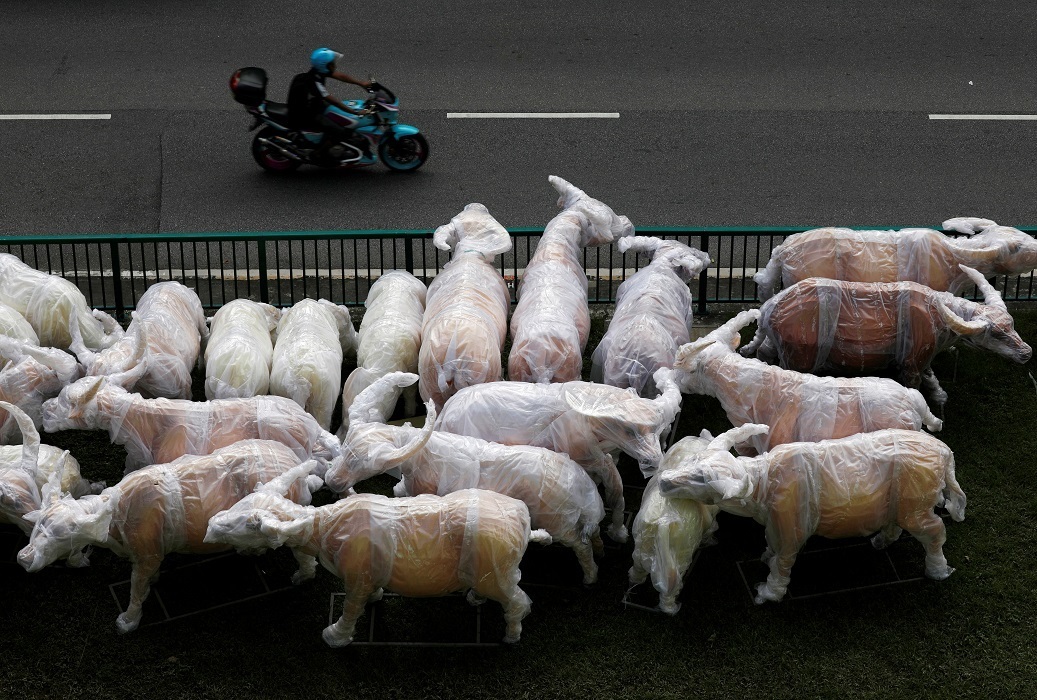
404, 130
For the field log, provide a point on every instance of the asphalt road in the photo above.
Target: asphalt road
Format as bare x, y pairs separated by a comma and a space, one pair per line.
807, 113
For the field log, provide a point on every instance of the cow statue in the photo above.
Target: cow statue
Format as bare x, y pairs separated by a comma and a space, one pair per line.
669, 531
652, 318
390, 339
551, 323
313, 337
155, 511
882, 482
587, 421
470, 540
798, 407
919, 255
160, 430
820, 324
26, 468
562, 499
50, 303
240, 350
160, 347
466, 315
30, 376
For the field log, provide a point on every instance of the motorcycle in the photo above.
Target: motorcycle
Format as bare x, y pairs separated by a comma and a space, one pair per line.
280, 147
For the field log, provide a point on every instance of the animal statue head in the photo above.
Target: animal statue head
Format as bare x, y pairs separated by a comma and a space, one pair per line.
723, 340
714, 476
266, 518
1004, 250
64, 527
370, 446
622, 418
991, 326
75, 408
473, 230
685, 261
598, 223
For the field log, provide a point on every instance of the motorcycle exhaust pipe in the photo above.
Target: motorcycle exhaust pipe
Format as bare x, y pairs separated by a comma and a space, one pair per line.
281, 149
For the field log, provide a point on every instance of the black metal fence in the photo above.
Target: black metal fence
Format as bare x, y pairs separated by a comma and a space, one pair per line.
281, 268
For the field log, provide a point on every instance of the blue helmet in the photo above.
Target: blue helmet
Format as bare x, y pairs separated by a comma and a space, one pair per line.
322, 58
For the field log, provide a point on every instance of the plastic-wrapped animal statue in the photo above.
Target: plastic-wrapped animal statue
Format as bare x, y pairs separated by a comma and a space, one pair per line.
919, 255
466, 314
423, 546
390, 339
551, 322
882, 482
155, 511
240, 350
653, 315
821, 324
30, 376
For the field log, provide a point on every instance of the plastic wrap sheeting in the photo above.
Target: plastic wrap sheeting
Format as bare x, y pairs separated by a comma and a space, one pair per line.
466, 314
581, 419
312, 339
13, 325
160, 430
389, 336
668, 531
49, 302
240, 350
551, 322
653, 316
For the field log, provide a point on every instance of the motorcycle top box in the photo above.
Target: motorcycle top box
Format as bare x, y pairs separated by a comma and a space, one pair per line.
249, 86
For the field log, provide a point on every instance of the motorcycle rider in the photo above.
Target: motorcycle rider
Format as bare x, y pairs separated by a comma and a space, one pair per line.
311, 106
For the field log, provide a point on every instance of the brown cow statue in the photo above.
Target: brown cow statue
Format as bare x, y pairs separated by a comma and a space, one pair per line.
822, 324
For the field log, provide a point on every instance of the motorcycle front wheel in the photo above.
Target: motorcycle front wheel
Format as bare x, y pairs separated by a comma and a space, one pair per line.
268, 158
403, 153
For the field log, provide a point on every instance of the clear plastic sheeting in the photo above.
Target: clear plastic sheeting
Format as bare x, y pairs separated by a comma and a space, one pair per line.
50, 303
820, 324
240, 350
313, 337
158, 510
389, 339
425, 546
31, 376
882, 482
798, 407
551, 323
584, 420
160, 347
466, 314
27, 467
668, 531
920, 255
160, 430
13, 325
653, 315
561, 497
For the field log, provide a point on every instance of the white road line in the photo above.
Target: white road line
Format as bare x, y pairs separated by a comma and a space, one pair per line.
54, 116
532, 115
992, 117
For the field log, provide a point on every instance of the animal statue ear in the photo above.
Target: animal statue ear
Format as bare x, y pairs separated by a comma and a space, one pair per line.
283, 483
129, 378
51, 490
706, 435
445, 237
280, 531
96, 525
729, 488
33, 516
735, 436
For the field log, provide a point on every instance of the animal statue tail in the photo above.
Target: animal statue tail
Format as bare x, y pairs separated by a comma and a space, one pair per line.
954, 497
540, 537
768, 278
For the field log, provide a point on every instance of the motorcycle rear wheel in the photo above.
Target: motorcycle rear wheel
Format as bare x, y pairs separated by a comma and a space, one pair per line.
270, 159
403, 153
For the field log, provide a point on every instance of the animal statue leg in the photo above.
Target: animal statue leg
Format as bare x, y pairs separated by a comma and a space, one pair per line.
585, 555
307, 567
886, 536
928, 528
933, 388
474, 598
410, 399
504, 588
782, 547
516, 607
144, 571
341, 632
605, 473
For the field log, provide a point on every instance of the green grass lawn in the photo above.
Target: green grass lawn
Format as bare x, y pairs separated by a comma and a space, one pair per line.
969, 636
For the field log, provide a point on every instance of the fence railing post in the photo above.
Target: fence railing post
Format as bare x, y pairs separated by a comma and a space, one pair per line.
408, 254
703, 289
120, 303
264, 287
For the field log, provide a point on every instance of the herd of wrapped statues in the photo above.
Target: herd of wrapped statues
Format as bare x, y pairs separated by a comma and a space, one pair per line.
498, 464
